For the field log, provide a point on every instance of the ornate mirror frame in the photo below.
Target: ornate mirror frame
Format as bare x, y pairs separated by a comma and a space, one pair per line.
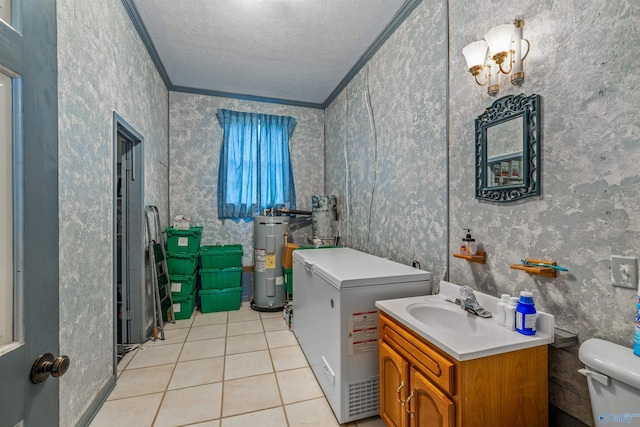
502, 110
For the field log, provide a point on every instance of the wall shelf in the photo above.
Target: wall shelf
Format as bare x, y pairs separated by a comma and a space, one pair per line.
540, 271
480, 257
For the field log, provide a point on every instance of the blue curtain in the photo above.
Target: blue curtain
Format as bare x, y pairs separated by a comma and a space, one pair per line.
255, 168
276, 177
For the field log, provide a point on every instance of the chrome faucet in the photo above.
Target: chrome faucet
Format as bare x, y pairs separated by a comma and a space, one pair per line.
470, 303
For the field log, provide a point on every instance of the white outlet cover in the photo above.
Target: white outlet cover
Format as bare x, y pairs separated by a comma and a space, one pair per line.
624, 271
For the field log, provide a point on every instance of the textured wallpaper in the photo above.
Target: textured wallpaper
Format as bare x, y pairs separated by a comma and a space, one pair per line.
386, 147
397, 149
582, 63
392, 119
196, 137
103, 66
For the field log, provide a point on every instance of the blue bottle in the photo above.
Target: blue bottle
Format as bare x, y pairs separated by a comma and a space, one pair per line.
526, 314
636, 335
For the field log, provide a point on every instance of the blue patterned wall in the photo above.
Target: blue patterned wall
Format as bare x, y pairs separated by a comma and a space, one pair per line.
196, 137
404, 184
582, 63
386, 147
103, 66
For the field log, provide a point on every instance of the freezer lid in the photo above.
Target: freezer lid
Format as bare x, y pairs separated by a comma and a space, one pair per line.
346, 268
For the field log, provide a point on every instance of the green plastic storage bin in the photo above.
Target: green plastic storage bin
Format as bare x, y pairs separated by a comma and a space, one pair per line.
182, 307
184, 240
182, 285
221, 278
221, 256
213, 300
181, 263
288, 279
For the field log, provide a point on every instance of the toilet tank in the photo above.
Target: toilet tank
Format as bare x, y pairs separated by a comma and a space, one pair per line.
613, 376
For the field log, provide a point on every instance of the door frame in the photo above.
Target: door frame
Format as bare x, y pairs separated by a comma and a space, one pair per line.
135, 227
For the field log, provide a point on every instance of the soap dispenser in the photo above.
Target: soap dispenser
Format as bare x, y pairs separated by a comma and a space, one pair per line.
469, 245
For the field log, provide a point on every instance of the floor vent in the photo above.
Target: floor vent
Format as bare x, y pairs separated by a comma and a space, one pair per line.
363, 397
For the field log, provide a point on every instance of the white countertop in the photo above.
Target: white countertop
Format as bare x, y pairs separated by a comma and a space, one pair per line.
472, 337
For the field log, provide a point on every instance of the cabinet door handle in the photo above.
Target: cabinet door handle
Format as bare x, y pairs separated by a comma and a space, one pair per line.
398, 398
409, 405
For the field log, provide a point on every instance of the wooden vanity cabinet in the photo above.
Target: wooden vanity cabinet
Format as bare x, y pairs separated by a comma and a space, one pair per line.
422, 386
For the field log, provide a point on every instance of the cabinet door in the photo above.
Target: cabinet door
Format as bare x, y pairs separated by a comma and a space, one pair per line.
428, 406
394, 382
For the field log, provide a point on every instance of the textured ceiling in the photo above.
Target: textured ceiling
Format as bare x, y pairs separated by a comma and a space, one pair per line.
296, 51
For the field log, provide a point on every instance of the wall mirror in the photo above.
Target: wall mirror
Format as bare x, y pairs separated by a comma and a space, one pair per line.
508, 149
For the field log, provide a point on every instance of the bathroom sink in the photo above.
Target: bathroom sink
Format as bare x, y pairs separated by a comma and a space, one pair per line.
450, 318
460, 334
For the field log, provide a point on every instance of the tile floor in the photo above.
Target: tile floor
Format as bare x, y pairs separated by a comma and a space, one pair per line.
230, 369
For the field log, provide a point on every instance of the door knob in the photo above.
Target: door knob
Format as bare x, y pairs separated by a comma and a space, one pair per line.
46, 365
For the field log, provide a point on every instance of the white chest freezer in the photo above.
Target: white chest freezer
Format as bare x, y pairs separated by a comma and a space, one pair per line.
336, 322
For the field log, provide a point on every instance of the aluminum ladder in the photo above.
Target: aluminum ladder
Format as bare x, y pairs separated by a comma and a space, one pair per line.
159, 272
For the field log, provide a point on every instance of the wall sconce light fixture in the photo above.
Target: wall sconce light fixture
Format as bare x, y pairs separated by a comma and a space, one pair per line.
503, 44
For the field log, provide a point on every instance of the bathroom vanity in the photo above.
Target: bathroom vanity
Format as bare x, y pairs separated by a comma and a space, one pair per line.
440, 366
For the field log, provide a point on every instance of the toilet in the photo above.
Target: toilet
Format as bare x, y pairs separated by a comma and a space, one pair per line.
613, 375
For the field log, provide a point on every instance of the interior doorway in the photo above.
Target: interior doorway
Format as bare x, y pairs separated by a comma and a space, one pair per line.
129, 283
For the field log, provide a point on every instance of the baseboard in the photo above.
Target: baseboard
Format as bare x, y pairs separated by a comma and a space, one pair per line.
97, 403
559, 418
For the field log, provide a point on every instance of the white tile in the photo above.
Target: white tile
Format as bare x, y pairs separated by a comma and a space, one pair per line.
245, 306
179, 324
311, 413
197, 372
131, 412
206, 319
214, 423
251, 394
297, 385
155, 355
198, 333
122, 365
190, 405
136, 382
246, 343
268, 418
247, 364
288, 358
271, 314
371, 422
274, 324
204, 349
243, 315
244, 328
280, 339
175, 336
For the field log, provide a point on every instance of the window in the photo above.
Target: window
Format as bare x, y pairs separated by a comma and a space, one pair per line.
255, 169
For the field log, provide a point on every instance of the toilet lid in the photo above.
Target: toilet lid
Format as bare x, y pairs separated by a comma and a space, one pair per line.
611, 359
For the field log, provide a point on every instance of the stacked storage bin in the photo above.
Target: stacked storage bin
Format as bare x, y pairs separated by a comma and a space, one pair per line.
183, 247
221, 278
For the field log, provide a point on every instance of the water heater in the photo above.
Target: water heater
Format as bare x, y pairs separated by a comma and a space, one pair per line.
268, 281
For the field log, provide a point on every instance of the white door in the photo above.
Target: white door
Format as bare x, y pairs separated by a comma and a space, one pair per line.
29, 326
